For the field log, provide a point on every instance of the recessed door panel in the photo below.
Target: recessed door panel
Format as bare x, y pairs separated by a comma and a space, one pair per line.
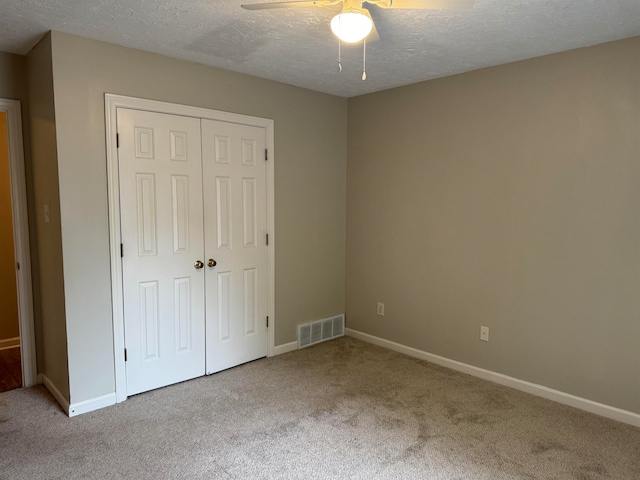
223, 212
180, 203
146, 208
149, 320
178, 146
221, 149
250, 297
144, 143
183, 318
224, 301
248, 152
249, 213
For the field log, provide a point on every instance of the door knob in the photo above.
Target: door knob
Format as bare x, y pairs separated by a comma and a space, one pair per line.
212, 262
198, 265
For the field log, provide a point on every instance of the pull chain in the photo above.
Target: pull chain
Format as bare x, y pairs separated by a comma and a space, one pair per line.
364, 61
339, 56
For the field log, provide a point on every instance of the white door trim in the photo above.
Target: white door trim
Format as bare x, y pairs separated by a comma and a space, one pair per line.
21, 240
112, 103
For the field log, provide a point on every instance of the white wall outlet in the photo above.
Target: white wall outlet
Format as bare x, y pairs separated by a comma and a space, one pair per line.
484, 334
381, 309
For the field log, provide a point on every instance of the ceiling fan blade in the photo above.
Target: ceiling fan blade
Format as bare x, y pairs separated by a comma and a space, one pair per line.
264, 6
431, 4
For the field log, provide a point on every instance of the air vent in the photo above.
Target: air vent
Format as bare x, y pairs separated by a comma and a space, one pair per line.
320, 330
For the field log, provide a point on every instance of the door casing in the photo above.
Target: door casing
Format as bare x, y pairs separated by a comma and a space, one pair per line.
112, 103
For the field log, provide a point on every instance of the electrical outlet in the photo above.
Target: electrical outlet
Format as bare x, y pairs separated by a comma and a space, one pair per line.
381, 309
484, 334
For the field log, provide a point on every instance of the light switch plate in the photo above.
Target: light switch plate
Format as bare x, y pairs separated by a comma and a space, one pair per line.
484, 334
47, 213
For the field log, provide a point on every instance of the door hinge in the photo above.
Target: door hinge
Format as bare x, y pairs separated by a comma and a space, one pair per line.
266, 154
117, 140
121, 250
125, 354
18, 265
267, 238
267, 322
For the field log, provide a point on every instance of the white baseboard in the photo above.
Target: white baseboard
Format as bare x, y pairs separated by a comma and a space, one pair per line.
9, 343
285, 347
92, 404
55, 392
77, 408
539, 390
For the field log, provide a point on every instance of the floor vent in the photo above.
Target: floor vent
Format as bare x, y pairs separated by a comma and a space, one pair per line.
320, 330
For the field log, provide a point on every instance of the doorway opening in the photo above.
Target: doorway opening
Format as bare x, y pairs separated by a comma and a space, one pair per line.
17, 341
10, 364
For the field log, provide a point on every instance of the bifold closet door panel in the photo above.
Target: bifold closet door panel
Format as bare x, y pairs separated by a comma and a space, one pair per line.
160, 163
235, 212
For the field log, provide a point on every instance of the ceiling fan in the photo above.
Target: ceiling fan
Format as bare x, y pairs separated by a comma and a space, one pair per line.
354, 23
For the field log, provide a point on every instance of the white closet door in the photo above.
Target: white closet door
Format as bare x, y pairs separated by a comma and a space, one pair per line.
235, 210
160, 164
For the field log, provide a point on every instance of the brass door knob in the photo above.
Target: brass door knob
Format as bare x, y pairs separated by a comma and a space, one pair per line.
198, 265
212, 262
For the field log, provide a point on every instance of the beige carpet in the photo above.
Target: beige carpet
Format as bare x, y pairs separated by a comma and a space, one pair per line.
340, 410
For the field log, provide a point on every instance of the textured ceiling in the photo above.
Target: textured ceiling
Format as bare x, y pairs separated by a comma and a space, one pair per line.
296, 46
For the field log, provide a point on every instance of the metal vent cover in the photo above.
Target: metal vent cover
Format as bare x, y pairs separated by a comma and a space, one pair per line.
320, 330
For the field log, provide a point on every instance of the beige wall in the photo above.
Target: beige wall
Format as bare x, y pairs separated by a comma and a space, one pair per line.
9, 327
49, 241
310, 177
507, 197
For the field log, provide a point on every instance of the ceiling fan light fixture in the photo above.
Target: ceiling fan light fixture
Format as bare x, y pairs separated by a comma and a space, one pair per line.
351, 25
